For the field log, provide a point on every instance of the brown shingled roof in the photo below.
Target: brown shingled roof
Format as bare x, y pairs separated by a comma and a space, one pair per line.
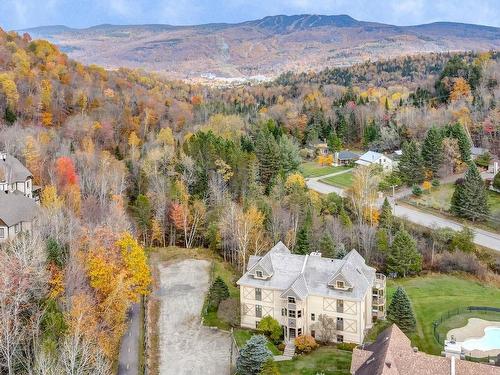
392, 354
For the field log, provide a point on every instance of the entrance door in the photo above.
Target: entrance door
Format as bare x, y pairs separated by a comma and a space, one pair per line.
291, 335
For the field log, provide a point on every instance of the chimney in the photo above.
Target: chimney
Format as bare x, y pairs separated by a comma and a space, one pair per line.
415, 349
388, 364
452, 368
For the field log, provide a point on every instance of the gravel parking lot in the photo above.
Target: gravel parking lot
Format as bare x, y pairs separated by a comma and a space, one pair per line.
186, 346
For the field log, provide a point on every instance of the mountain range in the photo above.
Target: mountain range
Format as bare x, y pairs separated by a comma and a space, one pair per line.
261, 48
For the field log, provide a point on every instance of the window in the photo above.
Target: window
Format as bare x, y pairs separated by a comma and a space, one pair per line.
340, 306
313, 333
313, 317
299, 331
2, 232
340, 338
258, 311
283, 312
258, 294
340, 285
258, 274
340, 324
291, 299
291, 313
299, 314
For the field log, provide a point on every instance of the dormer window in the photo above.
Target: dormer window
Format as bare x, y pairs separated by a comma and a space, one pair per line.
291, 299
340, 285
259, 274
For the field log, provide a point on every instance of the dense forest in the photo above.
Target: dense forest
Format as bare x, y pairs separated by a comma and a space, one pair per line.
128, 160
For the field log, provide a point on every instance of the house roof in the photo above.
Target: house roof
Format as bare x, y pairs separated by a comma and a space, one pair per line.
310, 274
347, 155
16, 208
12, 169
371, 156
392, 354
476, 151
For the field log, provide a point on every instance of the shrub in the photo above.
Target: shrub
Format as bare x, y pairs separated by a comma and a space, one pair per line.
349, 346
426, 185
270, 368
460, 261
229, 312
281, 346
253, 356
496, 181
305, 344
416, 190
483, 160
435, 182
271, 328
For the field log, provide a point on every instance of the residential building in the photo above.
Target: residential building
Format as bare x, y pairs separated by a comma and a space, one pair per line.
300, 290
392, 354
14, 176
372, 157
321, 149
345, 157
17, 213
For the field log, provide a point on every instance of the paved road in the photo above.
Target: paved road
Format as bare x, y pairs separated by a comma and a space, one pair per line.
481, 237
128, 361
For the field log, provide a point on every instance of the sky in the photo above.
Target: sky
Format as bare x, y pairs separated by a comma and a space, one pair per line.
21, 14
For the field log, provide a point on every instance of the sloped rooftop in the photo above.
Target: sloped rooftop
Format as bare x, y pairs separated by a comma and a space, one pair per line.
310, 274
12, 170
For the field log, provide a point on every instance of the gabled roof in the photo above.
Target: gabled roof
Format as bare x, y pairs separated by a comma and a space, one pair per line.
304, 275
12, 169
392, 354
16, 208
370, 157
347, 155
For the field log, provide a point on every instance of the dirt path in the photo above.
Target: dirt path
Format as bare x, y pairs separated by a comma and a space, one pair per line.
128, 363
186, 346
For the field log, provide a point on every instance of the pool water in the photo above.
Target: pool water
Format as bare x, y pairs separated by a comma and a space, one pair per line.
490, 340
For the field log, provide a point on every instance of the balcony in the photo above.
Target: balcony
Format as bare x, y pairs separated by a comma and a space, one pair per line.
380, 281
292, 323
378, 301
292, 306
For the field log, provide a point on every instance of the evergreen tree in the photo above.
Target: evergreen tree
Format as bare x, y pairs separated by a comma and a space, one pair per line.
464, 145
386, 220
218, 292
289, 155
382, 239
432, 151
469, 199
344, 218
340, 251
496, 181
10, 116
327, 246
268, 154
411, 165
253, 356
371, 133
404, 257
334, 143
400, 311
142, 212
302, 244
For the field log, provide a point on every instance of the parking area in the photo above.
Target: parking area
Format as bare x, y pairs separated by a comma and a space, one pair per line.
186, 346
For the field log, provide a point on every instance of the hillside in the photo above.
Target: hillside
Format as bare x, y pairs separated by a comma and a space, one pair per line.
268, 46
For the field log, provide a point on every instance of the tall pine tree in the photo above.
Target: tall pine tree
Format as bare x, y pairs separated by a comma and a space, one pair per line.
464, 145
253, 356
268, 154
411, 165
404, 257
400, 311
432, 151
386, 220
469, 199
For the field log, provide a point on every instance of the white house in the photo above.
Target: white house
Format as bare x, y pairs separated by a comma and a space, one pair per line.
14, 176
301, 290
372, 157
17, 213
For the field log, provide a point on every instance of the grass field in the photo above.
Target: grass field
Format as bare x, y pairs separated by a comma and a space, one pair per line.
461, 320
313, 169
440, 199
325, 360
343, 180
243, 335
433, 295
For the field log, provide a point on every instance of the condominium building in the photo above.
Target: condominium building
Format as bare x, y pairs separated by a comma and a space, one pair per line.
331, 299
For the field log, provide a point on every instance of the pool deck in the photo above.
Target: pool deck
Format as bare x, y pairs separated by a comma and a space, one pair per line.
474, 329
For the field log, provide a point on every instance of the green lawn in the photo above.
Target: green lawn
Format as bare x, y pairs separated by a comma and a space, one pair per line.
313, 169
440, 199
325, 360
435, 294
243, 335
343, 180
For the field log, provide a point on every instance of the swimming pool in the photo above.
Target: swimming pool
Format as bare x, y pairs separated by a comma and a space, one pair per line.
490, 340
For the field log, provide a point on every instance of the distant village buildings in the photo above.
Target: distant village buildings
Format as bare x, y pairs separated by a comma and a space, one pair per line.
18, 198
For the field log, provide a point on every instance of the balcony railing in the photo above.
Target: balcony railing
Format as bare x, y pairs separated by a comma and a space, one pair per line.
380, 281
292, 323
377, 301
